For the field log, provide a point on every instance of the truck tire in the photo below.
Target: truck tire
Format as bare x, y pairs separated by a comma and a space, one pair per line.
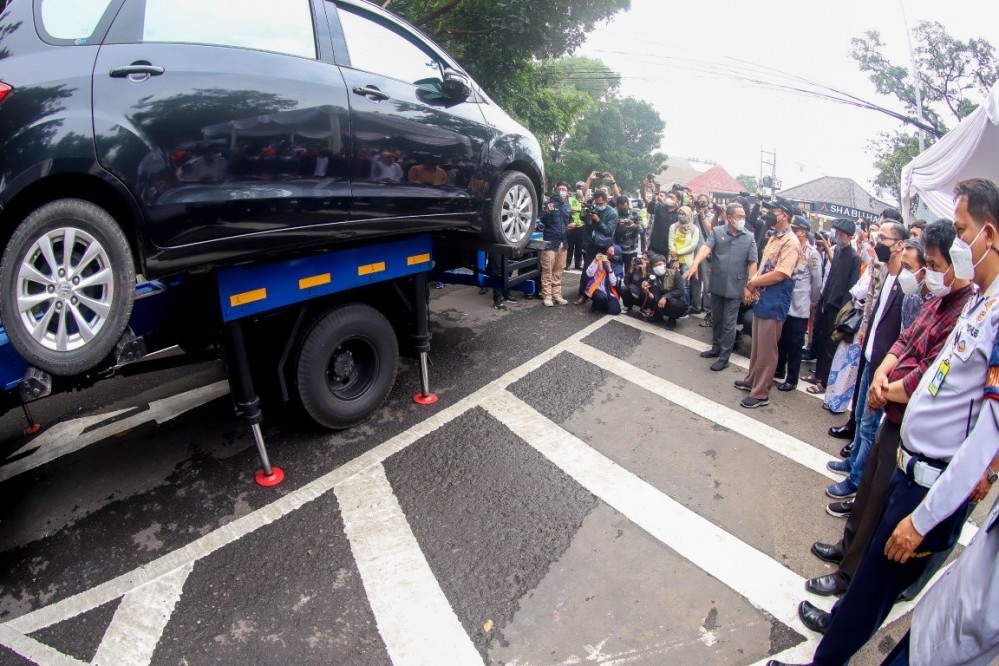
514, 211
347, 364
67, 284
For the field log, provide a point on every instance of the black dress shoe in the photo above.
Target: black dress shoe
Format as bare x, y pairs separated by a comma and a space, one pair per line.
827, 552
846, 451
711, 353
842, 432
786, 386
774, 662
719, 365
825, 586
814, 618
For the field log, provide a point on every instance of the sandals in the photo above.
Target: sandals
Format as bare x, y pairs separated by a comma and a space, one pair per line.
816, 389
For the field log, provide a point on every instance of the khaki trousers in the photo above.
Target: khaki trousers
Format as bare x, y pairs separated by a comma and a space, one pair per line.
552, 265
763, 359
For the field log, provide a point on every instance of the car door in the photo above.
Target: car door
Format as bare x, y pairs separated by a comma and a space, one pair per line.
417, 154
229, 121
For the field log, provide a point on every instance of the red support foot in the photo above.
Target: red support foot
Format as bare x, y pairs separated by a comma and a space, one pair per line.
425, 400
276, 477
33, 429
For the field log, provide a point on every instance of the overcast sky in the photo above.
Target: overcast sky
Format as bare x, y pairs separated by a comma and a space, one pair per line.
662, 50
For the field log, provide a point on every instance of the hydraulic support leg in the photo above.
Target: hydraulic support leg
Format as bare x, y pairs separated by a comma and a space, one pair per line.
245, 399
421, 338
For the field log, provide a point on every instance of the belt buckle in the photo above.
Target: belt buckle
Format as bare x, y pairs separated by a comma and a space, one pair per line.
900, 459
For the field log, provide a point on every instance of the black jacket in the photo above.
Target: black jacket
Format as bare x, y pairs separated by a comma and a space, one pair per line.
843, 274
890, 326
662, 220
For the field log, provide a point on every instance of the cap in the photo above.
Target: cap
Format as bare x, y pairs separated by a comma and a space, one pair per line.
845, 225
798, 222
782, 204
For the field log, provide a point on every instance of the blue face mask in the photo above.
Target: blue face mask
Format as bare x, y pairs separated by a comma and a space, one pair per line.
601, 207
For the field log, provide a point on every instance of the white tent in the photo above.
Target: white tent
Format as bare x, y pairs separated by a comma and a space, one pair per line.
970, 150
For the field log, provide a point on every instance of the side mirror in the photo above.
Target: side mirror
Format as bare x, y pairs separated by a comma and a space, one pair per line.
457, 86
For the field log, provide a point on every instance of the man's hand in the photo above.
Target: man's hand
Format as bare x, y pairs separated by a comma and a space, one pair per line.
861, 337
876, 395
747, 296
691, 272
981, 489
903, 542
662, 302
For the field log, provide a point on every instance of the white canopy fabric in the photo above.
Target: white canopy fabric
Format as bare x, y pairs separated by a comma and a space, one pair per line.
970, 150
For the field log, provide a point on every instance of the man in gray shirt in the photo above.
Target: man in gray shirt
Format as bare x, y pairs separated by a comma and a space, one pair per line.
734, 259
949, 439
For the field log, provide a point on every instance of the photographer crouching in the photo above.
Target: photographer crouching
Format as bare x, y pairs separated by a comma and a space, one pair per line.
556, 218
601, 224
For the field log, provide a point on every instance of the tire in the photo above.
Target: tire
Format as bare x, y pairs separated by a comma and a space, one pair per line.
347, 364
514, 211
43, 310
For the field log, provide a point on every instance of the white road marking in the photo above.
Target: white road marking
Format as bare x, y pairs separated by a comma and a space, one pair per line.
237, 529
698, 346
69, 437
771, 587
776, 440
414, 618
36, 651
139, 621
13, 632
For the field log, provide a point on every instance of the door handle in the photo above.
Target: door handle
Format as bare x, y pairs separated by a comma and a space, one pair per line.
129, 70
371, 92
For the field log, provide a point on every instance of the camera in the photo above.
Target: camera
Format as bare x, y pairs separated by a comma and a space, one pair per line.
557, 197
601, 174
650, 177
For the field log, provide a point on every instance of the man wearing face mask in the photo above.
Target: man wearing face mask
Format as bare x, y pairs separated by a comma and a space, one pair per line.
665, 212
876, 337
807, 287
734, 253
843, 274
894, 382
771, 290
556, 218
949, 440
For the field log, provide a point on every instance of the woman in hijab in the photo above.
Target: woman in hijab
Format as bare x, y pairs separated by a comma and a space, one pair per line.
605, 274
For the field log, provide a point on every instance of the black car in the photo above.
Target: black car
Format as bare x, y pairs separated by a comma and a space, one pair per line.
157, 137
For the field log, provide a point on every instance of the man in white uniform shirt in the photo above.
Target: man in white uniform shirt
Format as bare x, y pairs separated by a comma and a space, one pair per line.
949, 439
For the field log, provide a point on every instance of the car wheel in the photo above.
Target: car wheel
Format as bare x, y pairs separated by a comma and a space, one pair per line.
514, 210
347, 365
67, 284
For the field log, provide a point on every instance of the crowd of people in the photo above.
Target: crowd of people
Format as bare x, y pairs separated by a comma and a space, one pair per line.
903, 323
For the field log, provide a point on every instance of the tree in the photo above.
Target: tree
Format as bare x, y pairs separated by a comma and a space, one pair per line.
620, 136
497, 41
952, 75
748, 182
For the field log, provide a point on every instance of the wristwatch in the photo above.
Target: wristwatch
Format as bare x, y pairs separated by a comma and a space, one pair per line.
993, 476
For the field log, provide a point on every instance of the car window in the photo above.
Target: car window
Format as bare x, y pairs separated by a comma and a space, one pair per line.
250, 24
376, 48
72, 19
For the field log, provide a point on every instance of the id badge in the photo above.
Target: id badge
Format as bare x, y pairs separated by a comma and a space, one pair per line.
938, 379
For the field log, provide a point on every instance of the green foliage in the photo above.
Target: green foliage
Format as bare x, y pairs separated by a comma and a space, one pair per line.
952, 74
496, 41
620, 137
748, 182
892, 151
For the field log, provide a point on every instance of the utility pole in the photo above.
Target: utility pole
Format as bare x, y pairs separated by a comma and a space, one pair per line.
916, 83
768, 182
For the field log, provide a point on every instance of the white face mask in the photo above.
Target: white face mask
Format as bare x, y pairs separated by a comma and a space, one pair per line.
962, 259
740, 225
935, 283
659, 270
601, 207
670, 201
908, 282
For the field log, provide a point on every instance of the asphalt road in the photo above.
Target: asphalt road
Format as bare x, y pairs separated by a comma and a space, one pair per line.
585, 491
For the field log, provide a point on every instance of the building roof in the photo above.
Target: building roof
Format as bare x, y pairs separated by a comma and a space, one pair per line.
841, 191
678, 170
715, 179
